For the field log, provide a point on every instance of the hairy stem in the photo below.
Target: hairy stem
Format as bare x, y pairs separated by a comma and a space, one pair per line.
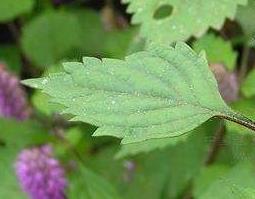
240, 119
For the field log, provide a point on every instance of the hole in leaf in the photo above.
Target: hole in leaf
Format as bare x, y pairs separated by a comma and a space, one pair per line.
163, 12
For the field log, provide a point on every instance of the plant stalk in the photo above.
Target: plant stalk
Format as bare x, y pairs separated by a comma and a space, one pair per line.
216, 144
241, 120
244, 63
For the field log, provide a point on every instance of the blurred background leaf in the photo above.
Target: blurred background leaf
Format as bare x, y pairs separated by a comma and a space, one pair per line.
46, 38
245, 16
14, 136
37, 35
237, 182
248, 86
87, 184
217, 50
12, 8
10, 55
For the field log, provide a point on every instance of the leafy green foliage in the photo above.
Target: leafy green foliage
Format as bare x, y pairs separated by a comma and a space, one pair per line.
9, 185
87, 184
42, 102
189, 18
207, 176
159, 174
91, 29
163, 92
155, 98
10, 55
117, 42
217, 50
148, 175
237, 182
240, 146
245, 16
73, 136
149, 145
52, 40
184, 164
12, 8
113, 43
162, 143
15, 136
248, 86
30, 131
54, 43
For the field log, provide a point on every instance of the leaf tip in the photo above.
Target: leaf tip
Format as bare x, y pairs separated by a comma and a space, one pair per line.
33, 83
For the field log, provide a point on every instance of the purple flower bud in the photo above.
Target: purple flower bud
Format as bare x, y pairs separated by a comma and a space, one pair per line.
13, 102
40, 175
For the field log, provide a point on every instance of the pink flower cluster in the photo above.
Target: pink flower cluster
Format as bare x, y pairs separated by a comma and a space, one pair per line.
40, 174
13, 103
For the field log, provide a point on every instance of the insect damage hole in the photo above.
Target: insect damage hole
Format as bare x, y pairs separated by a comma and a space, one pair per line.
163, 12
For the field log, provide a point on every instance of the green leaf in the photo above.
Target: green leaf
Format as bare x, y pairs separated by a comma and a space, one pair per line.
88, 37
207, 175
91, 30
138, 44
245, 16
12, 8
117, 42
156, 175
249, 193
235, 183
143, 178
10, 55
162, 143
149, 145
9, 186
112, 43
185, 19
185, 162
42, 102
248, 86
217, 50
48, 37
30, 131
86, 184
73, 136
240, 146
162, 92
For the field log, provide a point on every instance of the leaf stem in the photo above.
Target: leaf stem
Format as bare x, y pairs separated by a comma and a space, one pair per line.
244, 63
240, 119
